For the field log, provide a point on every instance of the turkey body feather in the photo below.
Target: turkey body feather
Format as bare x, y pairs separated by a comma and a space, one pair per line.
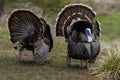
83, 50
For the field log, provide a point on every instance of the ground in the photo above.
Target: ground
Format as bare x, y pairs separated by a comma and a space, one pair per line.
54, 68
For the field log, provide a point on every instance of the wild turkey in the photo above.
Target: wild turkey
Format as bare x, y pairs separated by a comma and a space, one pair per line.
31, 33
75, 23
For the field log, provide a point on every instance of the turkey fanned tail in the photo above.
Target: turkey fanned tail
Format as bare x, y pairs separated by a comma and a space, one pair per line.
23, 23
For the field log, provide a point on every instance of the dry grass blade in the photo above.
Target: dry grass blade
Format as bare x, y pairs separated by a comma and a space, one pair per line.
108, 67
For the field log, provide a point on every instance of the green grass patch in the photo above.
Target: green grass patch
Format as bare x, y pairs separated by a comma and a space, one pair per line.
110, 25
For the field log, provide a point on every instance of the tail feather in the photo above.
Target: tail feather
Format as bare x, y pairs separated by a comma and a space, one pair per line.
22, 23
97, 28
71, 14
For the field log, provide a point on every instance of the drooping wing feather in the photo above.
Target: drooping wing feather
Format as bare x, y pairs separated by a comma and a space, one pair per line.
22, 23
47, 32
41, 50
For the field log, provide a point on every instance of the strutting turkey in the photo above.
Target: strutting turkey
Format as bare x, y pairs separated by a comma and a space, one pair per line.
75, 23
31, 33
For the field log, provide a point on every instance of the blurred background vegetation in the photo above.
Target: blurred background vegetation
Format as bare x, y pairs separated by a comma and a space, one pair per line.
108, 13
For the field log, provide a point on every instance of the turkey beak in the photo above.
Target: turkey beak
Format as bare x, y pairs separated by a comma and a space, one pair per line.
88, 34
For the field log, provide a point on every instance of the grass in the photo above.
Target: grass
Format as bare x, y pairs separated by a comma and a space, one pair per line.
54, 68
108, 66
110, 25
